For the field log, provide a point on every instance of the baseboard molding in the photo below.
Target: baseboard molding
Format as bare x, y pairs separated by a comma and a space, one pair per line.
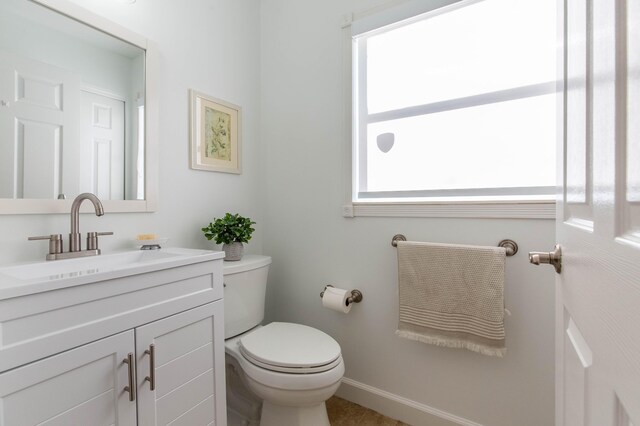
398, 407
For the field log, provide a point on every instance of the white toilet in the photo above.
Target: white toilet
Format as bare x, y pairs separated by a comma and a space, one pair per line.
292, 368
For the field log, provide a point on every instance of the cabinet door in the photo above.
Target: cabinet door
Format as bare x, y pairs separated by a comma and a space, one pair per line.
188, 369
82, 386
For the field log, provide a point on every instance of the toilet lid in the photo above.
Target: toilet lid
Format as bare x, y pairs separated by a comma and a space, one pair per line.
290, 348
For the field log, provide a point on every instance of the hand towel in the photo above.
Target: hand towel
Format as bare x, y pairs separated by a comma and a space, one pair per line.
452, 295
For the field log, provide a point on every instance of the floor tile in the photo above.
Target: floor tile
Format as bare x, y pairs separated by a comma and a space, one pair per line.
346, 413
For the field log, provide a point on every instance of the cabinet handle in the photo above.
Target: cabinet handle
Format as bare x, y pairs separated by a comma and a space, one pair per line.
151, 378
131, 388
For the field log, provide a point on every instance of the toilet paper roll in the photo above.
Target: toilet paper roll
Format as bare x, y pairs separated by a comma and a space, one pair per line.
336, 299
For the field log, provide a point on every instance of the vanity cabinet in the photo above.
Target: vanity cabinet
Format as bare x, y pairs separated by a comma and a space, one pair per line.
183, 372
82, 386
169, 323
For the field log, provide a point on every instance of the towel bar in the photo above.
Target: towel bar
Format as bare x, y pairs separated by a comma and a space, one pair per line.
510, 246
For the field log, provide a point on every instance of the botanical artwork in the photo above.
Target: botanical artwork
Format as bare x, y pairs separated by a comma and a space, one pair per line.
217, 141
215, 134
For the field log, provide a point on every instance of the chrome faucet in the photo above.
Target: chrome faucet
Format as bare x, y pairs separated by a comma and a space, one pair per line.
56, 251
74, 236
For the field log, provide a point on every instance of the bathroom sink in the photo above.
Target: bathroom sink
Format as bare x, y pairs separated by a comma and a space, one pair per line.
32, 277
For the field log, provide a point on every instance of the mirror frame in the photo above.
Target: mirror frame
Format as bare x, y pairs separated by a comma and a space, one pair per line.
149, 204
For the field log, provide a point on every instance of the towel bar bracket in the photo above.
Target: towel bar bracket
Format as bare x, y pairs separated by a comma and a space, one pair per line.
396, 238
510, 246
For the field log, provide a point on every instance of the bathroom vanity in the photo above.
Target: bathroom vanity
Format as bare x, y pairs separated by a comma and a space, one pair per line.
129, 338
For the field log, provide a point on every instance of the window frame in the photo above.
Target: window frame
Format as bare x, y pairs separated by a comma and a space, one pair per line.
530, 202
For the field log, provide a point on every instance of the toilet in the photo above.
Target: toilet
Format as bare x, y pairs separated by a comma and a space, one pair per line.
281, 373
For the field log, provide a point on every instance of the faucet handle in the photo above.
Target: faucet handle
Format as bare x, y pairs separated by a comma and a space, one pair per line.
43, 237
55, 242
92, 239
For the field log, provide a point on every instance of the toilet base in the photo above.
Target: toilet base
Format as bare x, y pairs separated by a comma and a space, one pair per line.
243, 406
287, 399
277, 415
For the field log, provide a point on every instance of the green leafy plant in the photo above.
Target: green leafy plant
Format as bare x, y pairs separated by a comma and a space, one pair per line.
231, 228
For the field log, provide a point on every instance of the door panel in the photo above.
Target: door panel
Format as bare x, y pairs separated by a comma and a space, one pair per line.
182, 369
630, 68
39, 159
102, 150
38, 118
578, 359
598, 293
578, 175
79, 387
186, 397
189, 369
578, 105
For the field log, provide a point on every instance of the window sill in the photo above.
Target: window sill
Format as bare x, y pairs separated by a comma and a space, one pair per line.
459, 209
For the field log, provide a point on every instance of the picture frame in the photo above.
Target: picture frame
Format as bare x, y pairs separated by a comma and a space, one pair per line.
215, 137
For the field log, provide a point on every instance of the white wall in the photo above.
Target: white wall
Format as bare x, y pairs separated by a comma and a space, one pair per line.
307, 161
212, 46
281, 61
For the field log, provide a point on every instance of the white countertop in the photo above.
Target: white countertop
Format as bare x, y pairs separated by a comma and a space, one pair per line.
39, 276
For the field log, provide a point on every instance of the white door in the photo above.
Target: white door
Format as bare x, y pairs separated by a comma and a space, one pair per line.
181, 378
102, 150
39, 130
598, 223
83, 386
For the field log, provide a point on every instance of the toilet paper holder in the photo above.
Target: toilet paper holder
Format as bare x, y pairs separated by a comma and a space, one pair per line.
356, 295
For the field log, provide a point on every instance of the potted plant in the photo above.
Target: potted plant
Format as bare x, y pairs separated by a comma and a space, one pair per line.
230, 231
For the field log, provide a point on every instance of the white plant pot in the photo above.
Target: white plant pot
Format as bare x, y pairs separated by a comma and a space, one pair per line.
233, 251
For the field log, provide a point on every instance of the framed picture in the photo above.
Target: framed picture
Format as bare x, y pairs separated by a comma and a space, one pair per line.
215, 134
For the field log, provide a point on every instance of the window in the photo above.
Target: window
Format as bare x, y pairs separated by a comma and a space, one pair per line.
457, 104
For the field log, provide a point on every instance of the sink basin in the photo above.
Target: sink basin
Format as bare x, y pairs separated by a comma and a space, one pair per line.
29, 277
87, 265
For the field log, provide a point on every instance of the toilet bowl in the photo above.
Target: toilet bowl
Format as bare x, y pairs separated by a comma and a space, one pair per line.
292, 368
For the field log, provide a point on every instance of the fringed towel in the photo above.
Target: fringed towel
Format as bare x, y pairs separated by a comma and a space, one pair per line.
452, 295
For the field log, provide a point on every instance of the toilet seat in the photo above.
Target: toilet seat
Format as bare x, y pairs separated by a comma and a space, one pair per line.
290, 348
279, 380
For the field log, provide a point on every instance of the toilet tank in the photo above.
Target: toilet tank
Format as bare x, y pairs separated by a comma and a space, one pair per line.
245, 285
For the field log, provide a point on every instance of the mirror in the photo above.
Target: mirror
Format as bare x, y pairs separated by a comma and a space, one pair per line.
74, 110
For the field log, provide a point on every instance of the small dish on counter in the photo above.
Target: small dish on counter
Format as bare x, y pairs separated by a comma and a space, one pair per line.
154, 244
